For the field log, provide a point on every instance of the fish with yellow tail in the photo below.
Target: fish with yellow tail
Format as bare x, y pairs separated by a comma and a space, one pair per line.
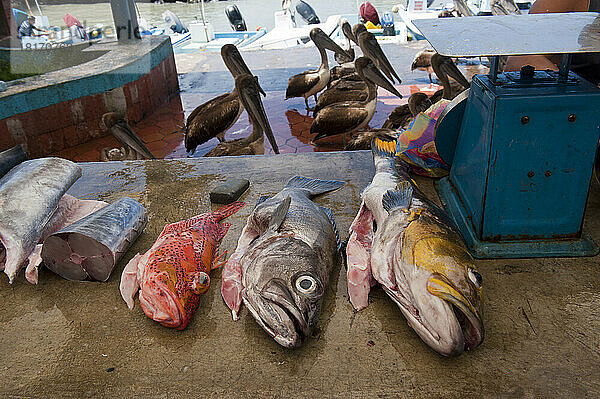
405, 242
171, 276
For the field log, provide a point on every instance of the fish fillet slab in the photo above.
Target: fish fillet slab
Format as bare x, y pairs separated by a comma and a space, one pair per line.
69, 210
29, 196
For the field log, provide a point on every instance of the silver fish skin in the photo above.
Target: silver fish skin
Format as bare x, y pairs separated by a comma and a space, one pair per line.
283, 260
405, 242
29, 196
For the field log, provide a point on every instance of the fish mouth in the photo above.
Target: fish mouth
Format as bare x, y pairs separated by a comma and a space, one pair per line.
467, 316
276, 312
161, 305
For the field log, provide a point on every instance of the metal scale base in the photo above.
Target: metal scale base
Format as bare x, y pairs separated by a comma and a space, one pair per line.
584, 246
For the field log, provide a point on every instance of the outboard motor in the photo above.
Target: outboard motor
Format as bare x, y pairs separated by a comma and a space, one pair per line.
174, 23
307, 13
235, 18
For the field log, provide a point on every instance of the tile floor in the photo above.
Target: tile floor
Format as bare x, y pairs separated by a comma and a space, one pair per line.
290, 123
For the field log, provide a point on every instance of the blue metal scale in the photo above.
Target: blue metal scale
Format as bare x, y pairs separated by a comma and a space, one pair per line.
521, 144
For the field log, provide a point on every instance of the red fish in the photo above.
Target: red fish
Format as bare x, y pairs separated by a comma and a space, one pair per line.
173, 274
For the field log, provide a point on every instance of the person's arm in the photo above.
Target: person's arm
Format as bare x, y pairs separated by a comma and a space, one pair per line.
549, 6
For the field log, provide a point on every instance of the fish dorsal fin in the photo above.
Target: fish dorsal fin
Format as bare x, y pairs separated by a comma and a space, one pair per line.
260, 200
314, 186
398, 198
279, 214
329, 214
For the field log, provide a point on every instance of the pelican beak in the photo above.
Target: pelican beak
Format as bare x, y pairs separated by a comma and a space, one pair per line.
248, 90
234, 61
371, 48
444, 65
347, 29
367, 70
357, 30
121, 131
322, 40
236, 64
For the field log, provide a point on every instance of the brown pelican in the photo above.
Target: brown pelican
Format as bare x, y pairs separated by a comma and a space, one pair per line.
371, 48
422, 62
248, 90
309, 83
418, 102
349, 116
443, 67
129, 141
342, 90
216, 116
401, 116
462, 8
349, 57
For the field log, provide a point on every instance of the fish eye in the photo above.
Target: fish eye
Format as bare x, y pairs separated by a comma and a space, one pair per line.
306, 284
203, 279
475, 277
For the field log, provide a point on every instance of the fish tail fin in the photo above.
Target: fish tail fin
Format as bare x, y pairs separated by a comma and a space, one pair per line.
314, 186
384, 154
228, 210
383, 148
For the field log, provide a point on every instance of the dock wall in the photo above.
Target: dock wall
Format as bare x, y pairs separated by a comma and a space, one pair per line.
62, 109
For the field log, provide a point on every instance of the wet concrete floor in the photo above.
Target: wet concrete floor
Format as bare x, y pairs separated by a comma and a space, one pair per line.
70, 339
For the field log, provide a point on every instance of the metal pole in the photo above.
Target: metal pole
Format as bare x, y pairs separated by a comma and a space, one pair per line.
494, 62
563, 69
38, 7
203, 21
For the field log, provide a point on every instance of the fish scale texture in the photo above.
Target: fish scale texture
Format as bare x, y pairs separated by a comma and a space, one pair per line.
183, 251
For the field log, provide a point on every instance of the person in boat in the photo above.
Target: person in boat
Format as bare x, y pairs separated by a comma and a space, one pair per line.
76, 29
585, 65
368, 13
27, 27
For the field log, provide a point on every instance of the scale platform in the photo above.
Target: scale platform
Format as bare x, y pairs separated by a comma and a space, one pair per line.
521, 145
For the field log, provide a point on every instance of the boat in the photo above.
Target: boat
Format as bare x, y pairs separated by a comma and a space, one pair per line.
55, 36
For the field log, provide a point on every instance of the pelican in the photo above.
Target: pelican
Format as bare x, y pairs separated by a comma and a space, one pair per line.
401, 116
132, 146
349, 116
342, 90
248, 91
309, 83
349, 57
443, 67
371, 48
422, 62
418, 102
216, 116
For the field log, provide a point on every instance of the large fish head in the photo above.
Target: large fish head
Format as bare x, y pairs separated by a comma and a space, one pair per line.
159, 294
284, 288
447, 292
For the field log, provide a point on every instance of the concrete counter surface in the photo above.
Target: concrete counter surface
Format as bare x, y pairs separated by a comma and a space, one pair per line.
68, 339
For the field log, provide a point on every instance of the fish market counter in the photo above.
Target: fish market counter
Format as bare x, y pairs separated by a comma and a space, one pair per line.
79, 339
